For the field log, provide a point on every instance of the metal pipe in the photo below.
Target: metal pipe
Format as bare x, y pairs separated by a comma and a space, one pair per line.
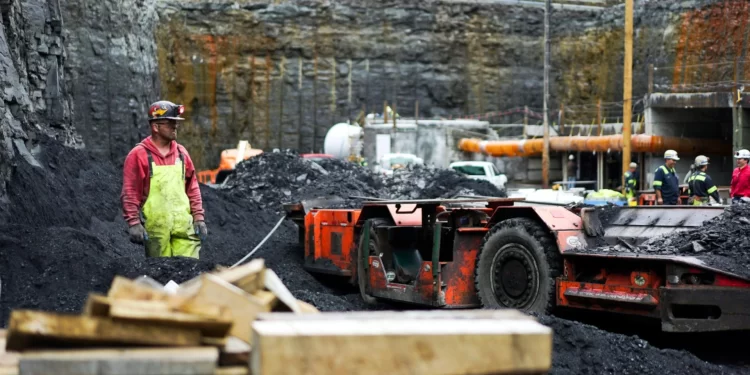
639, 143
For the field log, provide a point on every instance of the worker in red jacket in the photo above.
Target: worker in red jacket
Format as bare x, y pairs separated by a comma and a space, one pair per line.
159, 181
740, 177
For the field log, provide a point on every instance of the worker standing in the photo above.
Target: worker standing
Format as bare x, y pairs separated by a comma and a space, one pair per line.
572, 169
159, 178
666, 183
740, 186
631, 183
700, 185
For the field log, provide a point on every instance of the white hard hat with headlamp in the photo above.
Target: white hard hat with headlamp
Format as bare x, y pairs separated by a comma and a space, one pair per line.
671, 154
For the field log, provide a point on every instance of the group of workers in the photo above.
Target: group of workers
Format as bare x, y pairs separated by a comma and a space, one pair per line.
701, 187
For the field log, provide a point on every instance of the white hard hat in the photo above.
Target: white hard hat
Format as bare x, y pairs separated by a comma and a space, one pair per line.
633, 165
571, 157
742, 154
671, 154
701, 160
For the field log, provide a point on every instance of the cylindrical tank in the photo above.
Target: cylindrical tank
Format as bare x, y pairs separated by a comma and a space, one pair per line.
343, 140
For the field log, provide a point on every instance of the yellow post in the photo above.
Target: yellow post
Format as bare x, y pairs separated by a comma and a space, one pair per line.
627, 89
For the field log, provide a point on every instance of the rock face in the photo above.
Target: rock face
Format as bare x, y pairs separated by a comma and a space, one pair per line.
34, 98
281, 73
111, 71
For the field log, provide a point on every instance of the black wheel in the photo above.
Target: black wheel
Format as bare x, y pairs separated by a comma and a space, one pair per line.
517, 266
372, 247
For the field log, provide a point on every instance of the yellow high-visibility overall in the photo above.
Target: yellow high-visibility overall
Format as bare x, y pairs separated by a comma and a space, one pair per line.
168, 221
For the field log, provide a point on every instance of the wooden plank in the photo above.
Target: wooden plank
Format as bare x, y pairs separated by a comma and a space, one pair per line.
8, 360
159, 313
234, 370
248, 277
273, 283
504, 314
235, 353
96, 305
306, 308
167, 361
124, 288
244, 308
397, 346
29, 328
266, 298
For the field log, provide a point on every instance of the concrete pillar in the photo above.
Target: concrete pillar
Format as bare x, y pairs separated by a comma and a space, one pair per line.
741, 129
599, 171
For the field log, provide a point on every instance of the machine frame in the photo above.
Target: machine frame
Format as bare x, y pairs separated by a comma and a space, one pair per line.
434, 245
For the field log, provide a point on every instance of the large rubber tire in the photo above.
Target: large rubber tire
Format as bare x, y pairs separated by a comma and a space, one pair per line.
517, 266
372, 248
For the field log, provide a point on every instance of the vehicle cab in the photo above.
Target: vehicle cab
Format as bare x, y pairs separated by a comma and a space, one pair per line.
480, 170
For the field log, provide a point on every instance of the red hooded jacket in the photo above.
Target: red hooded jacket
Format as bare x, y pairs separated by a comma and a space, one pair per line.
136, 179
740, 182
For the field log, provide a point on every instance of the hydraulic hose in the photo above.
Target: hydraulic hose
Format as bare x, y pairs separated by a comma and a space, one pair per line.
260, 244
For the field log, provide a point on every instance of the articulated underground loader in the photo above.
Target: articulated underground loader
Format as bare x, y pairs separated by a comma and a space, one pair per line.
500, 253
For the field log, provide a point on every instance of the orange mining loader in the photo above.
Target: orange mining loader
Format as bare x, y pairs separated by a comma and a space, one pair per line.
227, 162
508, 253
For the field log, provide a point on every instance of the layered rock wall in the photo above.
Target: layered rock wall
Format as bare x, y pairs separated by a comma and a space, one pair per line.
280, 73
111, 71
34, 100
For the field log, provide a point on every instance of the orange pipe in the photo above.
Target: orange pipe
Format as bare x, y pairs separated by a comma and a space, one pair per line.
638, 143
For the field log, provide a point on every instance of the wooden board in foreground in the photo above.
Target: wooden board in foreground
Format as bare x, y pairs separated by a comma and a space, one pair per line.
505, 314
244, 307
33, 328
234, 370
396, 346
8, 360
157, 361
126, 289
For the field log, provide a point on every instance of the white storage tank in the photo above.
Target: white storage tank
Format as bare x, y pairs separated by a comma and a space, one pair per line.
343, 140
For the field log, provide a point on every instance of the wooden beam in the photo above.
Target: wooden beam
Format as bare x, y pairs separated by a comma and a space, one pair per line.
124, 288
29, 328
504, 314
234, 370
377, 346
8, 360
243, 307
160, 361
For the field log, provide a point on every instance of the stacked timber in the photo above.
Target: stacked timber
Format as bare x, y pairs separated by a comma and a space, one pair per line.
245, 321
202, 327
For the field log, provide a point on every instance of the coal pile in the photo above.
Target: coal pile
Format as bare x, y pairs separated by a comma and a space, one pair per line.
62, 236
424, 182
721, 242
271, 179
584, 349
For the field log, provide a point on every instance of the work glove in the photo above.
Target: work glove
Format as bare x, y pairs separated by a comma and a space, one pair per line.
200, 230
138, 234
